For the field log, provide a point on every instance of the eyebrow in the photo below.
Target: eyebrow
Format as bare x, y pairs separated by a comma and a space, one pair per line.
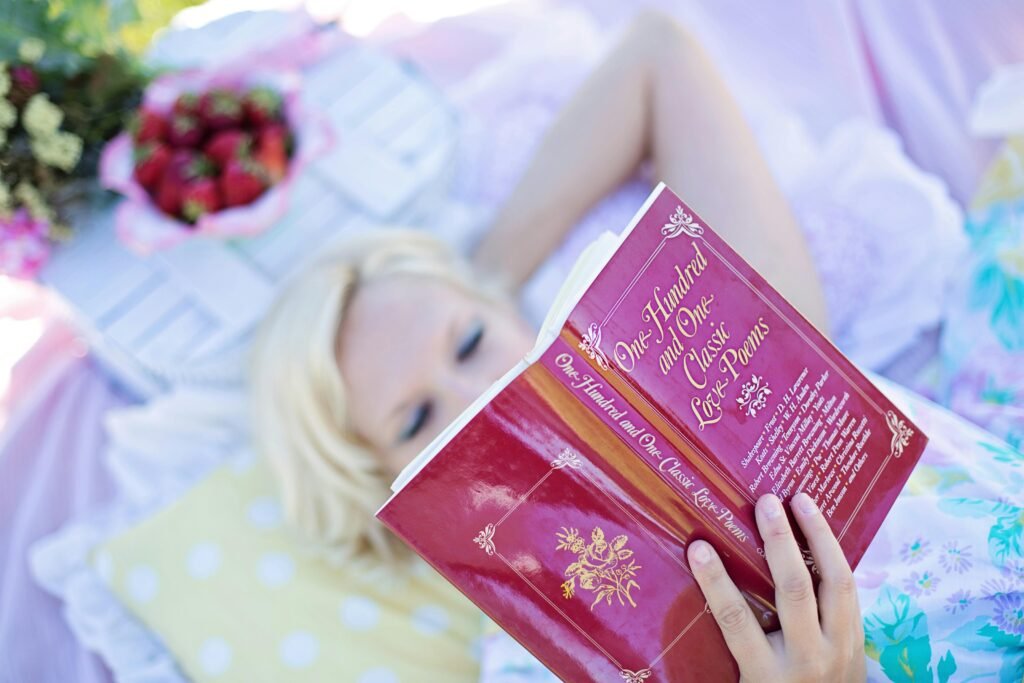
453, 331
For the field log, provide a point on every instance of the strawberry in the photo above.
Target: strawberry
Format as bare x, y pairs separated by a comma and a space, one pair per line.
168, 196
151, 159
184, 167
242, 181
187, 165
272, 151
226, 145
186, 103
262, 106
185, 131
198, 198
149, 126
220, 108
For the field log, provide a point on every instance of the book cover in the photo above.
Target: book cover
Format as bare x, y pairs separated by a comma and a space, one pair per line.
677, 390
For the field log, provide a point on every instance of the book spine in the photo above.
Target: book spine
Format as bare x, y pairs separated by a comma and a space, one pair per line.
653, 448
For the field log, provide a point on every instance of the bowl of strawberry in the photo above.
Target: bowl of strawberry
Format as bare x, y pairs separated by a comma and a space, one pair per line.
213, 161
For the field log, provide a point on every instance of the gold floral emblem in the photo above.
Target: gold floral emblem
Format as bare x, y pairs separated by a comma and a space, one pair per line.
901, 433
600, 567
483, 539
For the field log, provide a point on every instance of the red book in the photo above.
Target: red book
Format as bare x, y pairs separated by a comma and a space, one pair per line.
678, 389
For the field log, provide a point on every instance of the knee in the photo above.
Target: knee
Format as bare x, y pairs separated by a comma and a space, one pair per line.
657, 32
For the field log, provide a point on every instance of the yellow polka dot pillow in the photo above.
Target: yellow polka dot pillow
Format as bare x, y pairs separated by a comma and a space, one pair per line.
233, 596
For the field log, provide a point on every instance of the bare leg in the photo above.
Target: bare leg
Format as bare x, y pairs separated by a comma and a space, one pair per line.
594, 144
704, 149
657, 95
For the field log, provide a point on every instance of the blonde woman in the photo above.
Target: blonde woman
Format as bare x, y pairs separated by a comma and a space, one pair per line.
377, 347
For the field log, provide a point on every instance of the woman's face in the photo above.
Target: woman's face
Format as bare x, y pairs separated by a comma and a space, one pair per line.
414, 353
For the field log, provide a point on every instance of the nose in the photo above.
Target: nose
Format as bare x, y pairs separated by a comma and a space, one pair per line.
463, 388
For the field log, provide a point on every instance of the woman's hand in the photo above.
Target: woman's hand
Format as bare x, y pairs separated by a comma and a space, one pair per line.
822, 638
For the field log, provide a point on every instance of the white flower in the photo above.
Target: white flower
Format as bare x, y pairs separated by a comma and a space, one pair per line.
41, 116
60, 150
31, 49
8, 114
30, 198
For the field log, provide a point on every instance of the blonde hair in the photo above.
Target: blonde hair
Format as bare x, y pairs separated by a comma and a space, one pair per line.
331, 483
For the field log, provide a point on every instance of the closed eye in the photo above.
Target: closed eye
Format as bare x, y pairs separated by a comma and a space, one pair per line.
469, 343
420, 416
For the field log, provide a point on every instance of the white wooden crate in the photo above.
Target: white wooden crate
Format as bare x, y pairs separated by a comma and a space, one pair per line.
185, 314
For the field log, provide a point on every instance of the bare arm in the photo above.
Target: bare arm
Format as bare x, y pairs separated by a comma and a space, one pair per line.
657, 95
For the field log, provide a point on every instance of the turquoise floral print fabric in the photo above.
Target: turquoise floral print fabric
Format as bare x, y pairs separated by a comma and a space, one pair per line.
942, 585
982, 341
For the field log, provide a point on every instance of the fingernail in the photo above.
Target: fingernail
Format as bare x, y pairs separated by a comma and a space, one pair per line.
700, 552
804, 504
771, 507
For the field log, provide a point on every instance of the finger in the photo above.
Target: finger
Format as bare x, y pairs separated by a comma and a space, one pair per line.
743, 635
838, 590
794, 591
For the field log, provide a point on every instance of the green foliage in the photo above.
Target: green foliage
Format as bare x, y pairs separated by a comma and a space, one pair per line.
77, 31
74, 31
84, 53
947, 667
153, 15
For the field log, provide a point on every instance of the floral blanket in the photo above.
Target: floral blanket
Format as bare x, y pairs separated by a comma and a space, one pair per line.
982, 342
941, 586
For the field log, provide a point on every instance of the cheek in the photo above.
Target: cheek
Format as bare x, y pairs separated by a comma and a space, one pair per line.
506, 349
517, 337
394, 460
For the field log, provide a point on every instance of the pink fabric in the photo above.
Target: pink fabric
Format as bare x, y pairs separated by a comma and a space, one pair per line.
797, 49
51, 440
914, 65
928, 59
50, 472
27, 308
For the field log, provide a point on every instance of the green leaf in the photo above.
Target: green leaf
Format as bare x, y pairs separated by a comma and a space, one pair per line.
1002, 450
1004, 538
909, 661
972, 507
896, 630
893, 617
1012, 670
999, 638
968, 637
947, 667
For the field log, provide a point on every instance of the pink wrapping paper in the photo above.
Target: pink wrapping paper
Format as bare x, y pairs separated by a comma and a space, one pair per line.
144, 228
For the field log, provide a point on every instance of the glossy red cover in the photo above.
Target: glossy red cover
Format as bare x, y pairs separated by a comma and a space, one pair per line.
682, 387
